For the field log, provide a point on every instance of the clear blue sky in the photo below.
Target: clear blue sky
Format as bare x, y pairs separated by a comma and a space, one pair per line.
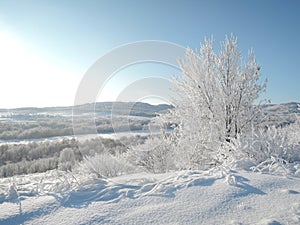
71, 35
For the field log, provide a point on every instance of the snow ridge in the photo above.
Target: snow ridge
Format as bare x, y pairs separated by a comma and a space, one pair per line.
216, 196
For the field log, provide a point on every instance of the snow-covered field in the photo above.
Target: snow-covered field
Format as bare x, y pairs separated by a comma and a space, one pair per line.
218, 196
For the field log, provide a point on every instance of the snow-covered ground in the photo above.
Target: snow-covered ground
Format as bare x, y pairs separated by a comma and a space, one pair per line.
218, 196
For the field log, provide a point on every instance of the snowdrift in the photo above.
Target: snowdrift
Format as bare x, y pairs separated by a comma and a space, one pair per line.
217, 196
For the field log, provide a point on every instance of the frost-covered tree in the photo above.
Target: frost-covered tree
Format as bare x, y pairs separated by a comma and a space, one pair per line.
218, 100
224, 85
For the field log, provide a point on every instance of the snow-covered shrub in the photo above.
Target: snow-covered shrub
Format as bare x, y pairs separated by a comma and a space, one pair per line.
293, 131
66, 159
155, 155
230, 153
274, 142
196, 150
105, 165
278, 166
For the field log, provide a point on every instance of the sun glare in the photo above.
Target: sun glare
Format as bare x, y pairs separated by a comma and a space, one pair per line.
30, 80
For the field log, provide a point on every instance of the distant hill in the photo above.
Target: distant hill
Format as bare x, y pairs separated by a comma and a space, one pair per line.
282, 114
124, 108
100, 108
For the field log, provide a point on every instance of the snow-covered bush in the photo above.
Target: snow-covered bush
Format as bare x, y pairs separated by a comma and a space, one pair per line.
155, 155
66, 159
105, 165
278, 166
274, 142
195, 150
293, 131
